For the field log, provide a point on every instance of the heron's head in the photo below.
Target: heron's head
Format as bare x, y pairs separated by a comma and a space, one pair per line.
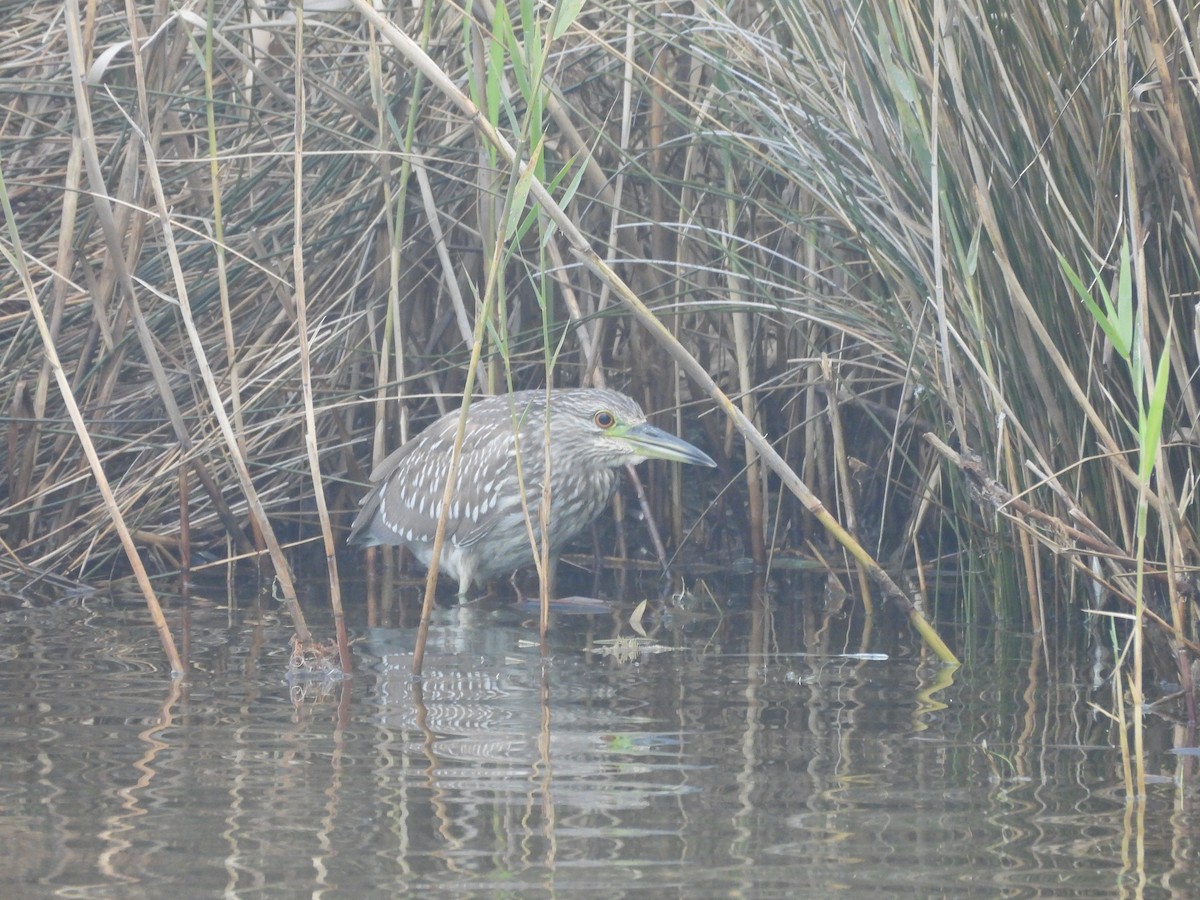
605, 427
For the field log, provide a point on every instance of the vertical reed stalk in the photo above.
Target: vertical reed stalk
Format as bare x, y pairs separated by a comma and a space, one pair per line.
744, 351
310, 423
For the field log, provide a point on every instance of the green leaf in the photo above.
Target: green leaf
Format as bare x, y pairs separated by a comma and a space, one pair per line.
1117, 336
516, 53
973, 251
532, 32
565, 14
501, 29
1151, 422
516, 209
569, 194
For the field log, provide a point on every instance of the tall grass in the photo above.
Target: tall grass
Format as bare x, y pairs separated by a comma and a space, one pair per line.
861, 219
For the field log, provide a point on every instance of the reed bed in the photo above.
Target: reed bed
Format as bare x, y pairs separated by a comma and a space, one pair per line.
943, 255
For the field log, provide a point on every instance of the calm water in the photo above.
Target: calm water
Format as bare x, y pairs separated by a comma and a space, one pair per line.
748, 755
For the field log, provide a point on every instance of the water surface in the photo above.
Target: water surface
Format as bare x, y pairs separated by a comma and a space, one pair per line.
747, 755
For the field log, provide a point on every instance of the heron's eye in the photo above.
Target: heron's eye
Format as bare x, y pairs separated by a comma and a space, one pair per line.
604, 419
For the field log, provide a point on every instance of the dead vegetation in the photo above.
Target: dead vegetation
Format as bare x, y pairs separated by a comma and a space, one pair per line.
868, 225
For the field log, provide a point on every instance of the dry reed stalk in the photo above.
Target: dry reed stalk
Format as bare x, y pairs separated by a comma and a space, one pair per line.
845, 483
306, 387
744, 352
15, 259
439, 533
114, 397
282, 568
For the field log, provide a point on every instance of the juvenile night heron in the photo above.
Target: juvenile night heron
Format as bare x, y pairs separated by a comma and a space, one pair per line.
592, 434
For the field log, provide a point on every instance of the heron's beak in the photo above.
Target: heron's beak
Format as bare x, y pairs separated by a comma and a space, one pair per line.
654, 443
